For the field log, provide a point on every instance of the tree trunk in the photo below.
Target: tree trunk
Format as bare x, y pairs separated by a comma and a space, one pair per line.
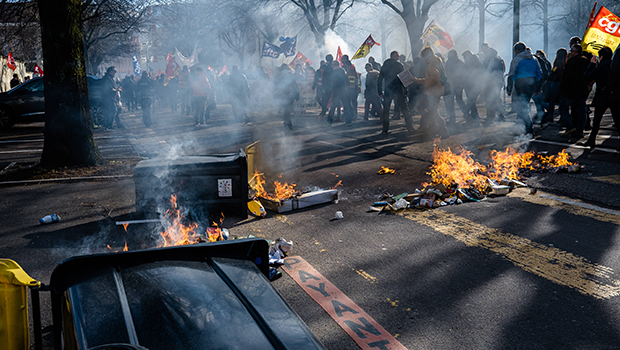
319, 38
69, 137
481, 29
415, 27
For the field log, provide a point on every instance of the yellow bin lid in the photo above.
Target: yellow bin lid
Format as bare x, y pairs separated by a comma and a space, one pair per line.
14, 300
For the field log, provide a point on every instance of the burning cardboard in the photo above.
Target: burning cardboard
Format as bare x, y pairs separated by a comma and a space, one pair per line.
285, 198
301, 201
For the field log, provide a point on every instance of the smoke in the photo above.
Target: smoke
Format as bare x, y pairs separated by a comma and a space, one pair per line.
333, 41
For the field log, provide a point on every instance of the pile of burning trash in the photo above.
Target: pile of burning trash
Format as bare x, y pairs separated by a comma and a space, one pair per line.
457, 177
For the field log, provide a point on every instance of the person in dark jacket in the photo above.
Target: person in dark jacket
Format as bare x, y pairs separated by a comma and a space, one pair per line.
614, 89
455, 71
474, 71
326, 84
317, 85
391, 88
349, 100
145, 89
108, 95
201, 89
286, 92
370, 92
239, 94
526, 77
128, 86
375, 65
494, 68
599, 72
553, 93
574, 90
15, 81
545, 67
339, 82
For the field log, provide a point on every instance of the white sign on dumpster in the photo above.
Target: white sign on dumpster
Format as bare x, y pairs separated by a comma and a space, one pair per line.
224, 187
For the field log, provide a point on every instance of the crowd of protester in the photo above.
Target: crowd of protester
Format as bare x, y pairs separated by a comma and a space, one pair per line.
471, 80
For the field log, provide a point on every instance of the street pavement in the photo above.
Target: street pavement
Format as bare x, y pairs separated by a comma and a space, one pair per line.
522, 271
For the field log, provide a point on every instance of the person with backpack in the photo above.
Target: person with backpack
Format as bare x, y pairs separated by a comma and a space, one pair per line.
552, 94
435, 83
526, 78
545, 68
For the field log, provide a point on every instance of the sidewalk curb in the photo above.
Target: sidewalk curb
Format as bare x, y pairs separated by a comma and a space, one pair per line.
65, 179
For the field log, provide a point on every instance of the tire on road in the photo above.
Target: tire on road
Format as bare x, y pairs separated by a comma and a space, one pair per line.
6, 118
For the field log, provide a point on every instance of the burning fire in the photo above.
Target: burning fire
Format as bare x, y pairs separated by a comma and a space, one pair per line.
124, 248
386, 170
460, 168
176, 232
282, 191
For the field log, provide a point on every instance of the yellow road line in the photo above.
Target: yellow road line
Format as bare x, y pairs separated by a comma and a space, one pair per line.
551, 263
612, 179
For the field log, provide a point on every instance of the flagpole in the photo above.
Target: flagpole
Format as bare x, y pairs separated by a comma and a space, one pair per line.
546, 26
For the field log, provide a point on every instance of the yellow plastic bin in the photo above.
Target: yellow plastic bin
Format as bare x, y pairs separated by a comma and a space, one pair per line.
254, 154
14, 324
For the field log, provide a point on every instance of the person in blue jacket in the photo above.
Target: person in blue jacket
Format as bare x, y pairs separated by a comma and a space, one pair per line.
526, 77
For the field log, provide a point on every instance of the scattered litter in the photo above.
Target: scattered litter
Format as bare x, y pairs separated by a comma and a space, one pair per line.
48, 219
338, 215
402, 195
256, 208
280, 248
381, 203
277, 253
371, 208
500, 189
274, 274
399, 204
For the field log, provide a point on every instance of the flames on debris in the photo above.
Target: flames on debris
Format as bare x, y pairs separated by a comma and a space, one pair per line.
460, 168
281, 191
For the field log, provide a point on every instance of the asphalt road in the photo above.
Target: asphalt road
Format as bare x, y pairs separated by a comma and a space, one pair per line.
522, 271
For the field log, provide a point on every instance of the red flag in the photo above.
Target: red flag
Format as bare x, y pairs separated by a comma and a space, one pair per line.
339, 55
223, 71
38, 70
10, 62
172, 69
592, 15
300, 59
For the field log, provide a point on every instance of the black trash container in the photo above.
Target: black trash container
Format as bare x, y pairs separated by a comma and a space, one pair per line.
207, 186
196, 297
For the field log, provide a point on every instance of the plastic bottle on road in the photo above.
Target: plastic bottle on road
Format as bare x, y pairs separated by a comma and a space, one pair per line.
48, 219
